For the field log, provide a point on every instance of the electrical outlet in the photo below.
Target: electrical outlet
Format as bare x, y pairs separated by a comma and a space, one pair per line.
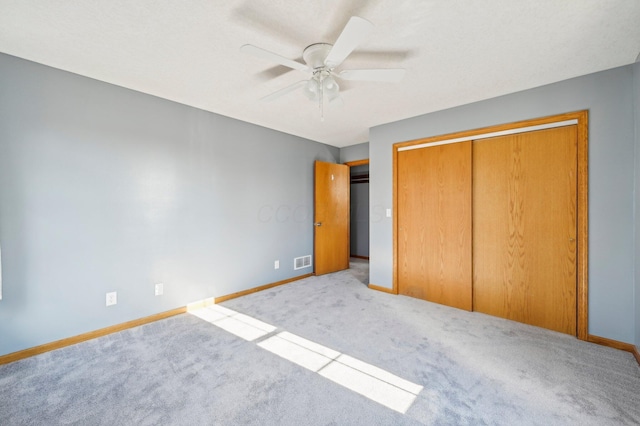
276, 264
112, 298
159, 289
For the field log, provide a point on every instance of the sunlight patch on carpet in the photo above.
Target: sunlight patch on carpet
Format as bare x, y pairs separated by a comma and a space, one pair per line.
375, 383
368, 380
295, 353
243, 326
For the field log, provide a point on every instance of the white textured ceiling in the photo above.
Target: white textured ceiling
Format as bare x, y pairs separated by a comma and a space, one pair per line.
454, 51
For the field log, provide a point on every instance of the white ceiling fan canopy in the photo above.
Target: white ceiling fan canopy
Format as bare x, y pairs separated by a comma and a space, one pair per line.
316, 54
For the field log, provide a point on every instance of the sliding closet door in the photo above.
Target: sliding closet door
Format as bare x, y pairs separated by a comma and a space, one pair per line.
434, 224
524, 227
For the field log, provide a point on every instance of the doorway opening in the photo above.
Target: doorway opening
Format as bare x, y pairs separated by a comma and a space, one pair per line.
359, 206
359, 219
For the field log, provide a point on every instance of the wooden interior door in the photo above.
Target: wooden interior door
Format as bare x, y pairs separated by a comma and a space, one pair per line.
434, 224
524, 227
331, 217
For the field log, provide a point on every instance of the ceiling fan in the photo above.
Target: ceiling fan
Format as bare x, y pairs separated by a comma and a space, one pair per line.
322, 59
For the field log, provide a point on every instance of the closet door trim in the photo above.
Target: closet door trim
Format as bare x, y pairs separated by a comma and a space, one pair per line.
492, 134
578, 118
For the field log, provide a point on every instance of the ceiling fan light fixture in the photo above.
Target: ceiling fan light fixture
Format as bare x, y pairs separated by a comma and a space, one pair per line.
322, 82
331, 88
312, 89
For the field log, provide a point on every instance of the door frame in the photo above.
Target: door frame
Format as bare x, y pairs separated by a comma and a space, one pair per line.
348, 164
357, 163
582, 255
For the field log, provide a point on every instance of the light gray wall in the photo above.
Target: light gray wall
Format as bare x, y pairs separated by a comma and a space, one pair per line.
354, 152
636, 96
609, 98
106, 189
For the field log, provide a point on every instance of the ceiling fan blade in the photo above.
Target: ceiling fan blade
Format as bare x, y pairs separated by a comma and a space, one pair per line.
273, 57
392, 75
284, 91
356, 30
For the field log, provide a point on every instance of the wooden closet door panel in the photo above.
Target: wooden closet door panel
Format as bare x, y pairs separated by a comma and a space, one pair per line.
434, 224
524, 227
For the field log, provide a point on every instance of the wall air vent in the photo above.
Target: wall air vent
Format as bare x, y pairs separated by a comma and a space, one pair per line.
302, 262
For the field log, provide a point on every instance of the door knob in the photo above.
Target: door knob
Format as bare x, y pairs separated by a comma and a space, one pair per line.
318, 224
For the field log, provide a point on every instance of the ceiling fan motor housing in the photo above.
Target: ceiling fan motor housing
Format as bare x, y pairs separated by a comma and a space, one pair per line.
315, 55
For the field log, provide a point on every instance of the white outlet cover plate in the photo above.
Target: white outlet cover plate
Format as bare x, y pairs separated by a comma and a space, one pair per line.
112, 298
159, 289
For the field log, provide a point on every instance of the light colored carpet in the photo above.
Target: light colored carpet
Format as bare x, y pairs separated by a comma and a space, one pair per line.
475, 369
359, 268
